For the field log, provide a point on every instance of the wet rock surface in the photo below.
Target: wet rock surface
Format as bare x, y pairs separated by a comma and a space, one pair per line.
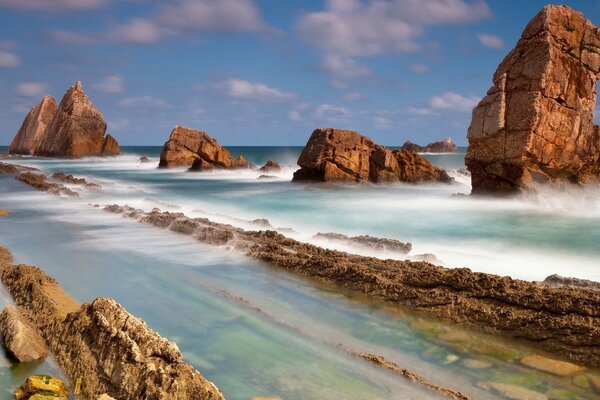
40, 182
42, 387
109, 350
556, 367
443, 146
367, 241
565, 320
536, 124
61, 176
197, 150
19, 339
270, 166
8, 168
75, 129
335, 155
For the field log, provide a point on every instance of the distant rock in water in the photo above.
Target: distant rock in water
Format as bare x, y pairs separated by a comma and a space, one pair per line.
335, 155
558, 281
443, 146
197, 150
270, 166
536, 124
75, 129
144, 159
367, 241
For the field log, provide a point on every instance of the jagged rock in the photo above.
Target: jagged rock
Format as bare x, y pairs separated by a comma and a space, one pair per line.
112, 351
335, 155
144, 159
74, 129
536, 124
270, 166
267, 177
42, 387
39, 182
19, 338
443, 146
367, 241
556, 367
32, 131
8, 169
197, 150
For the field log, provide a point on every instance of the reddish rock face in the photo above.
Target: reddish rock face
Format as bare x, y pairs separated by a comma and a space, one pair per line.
33, 128
535, 126
197, 150
335, 155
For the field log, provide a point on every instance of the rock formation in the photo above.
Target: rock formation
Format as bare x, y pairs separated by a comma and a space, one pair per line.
443, 146
335, 155
270, 166
367, 242
536, 124
197, 150
32, 131
19, 338
104, 346
42, 387
41, 183
74, 129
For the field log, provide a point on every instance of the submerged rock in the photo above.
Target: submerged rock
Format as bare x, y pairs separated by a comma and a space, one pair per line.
512, 392
556, 367
536, 124
41, 183
144, 159
74, 129
20, 340
335, 155
443, 146
42, 387
197, 150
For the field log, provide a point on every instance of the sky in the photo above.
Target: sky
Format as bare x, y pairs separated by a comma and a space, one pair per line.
262, 72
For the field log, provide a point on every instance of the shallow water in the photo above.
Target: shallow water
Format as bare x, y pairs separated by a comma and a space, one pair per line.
289, 348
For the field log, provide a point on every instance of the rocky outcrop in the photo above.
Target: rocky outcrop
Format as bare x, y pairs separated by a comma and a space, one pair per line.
40, 182
8, 168
20, 340
75, 129
33, 129
196, 149
443, 146
536, 124
565, 320
270, 166
109, 350
335, 155
557, 280
367, 242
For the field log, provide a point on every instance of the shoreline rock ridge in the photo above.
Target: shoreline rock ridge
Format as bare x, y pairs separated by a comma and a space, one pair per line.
336, 155
446, 145
536, 125
76, 128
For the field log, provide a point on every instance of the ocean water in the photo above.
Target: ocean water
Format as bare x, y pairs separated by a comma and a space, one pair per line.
291, 347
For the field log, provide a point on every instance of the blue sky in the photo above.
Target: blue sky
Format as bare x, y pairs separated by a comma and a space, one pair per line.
262, 72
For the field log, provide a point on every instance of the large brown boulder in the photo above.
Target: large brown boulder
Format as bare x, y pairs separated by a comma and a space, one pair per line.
197, 150
75, 129
336, 155
443, 146
535, 125
20, 340
32, 131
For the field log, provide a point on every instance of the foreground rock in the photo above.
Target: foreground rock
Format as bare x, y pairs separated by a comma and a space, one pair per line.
197, 150
110, 350
74, 129
536, 124
443, 146
368, 242
565, 320
335, 155
20, 340
42, 387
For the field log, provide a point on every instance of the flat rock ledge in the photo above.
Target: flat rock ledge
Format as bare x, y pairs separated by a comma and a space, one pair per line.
563, 321
101, 345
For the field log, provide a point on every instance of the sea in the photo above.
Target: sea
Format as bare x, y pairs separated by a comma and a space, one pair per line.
255, 330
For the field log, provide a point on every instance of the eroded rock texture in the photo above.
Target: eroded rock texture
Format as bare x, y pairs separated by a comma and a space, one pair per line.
197, 150
19, 338
443, 146
75, 129
104, 346
536, 123
336, 155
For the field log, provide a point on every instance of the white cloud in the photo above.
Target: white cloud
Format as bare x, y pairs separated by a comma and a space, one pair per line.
353, 28
143, 102
245, 90
138, 31
110, 84
294, 115
9, 60
352, 96
72, 38
420, 111
453, 101
31, 89
418, 68
491, 41
329, 112
53, 5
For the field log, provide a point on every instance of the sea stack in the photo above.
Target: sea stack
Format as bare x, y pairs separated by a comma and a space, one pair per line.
75, 129
536, 124
197, 150
336, 155
443, 146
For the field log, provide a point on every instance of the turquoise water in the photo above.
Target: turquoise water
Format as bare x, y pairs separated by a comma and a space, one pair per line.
289, 348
